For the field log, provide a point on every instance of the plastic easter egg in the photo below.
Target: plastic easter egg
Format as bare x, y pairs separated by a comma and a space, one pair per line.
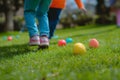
61, 42
79, 48
94, 43
55, 37
17, 36
4, 37
9, 38
69, 40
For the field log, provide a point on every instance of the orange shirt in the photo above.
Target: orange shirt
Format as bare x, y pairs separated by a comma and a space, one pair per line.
58, 4
61, 4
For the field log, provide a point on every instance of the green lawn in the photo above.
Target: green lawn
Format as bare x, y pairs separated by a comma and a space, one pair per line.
18, 61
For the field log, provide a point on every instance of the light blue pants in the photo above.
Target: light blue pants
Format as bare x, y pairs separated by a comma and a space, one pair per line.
37, 9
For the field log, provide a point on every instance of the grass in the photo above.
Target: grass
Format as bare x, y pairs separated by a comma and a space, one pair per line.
18, 61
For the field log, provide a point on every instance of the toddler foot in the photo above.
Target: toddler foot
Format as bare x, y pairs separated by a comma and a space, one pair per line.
34, 41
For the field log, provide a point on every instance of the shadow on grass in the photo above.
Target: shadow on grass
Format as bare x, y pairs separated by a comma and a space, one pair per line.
11, 51
94, 33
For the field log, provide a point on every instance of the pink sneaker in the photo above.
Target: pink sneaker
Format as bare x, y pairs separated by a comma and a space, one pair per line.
34, 41
44, 42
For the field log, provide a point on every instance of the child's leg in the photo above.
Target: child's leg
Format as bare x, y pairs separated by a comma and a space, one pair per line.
43, 22
118, 17
29, 14
53, 16
43, 18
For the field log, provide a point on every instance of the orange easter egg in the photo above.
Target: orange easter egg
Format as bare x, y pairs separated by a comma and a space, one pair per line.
94, 43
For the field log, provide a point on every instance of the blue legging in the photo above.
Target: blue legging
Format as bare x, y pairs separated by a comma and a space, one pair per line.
53, 16
37, 9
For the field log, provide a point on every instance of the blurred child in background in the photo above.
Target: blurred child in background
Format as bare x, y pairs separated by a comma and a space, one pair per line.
116, 5
37, 9
54, 13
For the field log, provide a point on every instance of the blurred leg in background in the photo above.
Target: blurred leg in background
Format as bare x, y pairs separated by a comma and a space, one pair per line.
118, 18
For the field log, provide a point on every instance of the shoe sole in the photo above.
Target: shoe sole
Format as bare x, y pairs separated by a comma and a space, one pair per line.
34, 44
